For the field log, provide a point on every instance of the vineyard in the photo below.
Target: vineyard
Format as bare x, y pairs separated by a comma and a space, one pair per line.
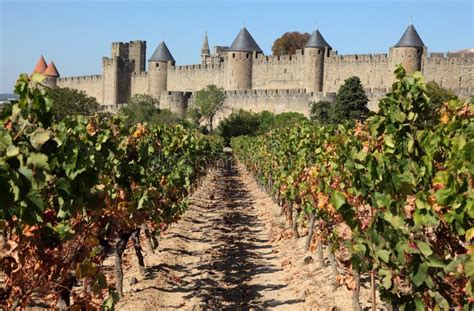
390, 198
72, 190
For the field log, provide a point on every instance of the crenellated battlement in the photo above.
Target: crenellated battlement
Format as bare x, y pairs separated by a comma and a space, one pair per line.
450, 58
357, 58
142, 74
283, 59
80, 78
275, 93
197, 67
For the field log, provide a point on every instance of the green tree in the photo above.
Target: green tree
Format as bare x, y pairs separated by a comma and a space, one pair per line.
140, 108
240, 122
243, 122
322, 112
289, 42
351, 101
438, 95
144, 108
286, 119
68, 101
207, 102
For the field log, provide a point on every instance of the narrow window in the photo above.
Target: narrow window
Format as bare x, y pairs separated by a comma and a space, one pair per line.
233, 55
247, 56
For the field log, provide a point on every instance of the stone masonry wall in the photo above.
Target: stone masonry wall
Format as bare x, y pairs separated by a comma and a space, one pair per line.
452, 71
139, 83
92, 85
372, 69
194, 77
278, 72
276, 101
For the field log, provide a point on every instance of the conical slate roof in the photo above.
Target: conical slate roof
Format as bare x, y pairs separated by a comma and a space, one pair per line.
244, 42
162, 54
410, 38
51, 71
40, 65
317, 41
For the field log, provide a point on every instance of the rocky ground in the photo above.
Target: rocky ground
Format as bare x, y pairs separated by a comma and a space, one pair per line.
232, 250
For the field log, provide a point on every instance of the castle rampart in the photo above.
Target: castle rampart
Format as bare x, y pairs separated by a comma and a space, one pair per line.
92, 85
372, 69
191, 78
258, 82
453, 71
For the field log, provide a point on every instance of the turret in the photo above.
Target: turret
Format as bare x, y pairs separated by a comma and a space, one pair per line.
408, 51
238, 72
40, 66
158, 70
205, 52
314, 53
51, 75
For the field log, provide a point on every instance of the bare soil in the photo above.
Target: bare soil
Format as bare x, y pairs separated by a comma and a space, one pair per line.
231, 250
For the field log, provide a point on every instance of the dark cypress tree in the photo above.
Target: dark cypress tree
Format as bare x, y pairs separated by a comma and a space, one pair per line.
351, 101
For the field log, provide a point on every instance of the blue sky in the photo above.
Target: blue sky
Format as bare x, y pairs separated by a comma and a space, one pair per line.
76, 34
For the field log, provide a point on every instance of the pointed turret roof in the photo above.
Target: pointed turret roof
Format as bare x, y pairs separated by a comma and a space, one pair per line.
317, 41
205, 43
40, 65
244, 42
162, 54
410, 38
51, 71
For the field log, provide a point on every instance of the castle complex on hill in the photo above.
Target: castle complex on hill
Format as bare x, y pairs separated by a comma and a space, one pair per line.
254, 81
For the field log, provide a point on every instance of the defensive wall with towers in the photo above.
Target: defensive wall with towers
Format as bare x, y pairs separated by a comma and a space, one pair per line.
257, 82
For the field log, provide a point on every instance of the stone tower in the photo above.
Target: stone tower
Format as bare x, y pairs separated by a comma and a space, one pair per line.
116, 75
40, 66
408, 51
205, 51
238, 72
315, 51
51, 75
137, 54
158, 70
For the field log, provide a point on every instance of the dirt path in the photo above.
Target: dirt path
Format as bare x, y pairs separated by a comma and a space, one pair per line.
231, 250
218, 256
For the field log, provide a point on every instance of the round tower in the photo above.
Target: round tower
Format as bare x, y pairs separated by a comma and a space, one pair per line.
158, 70
238, 72
176, 102
51, 76
408, 51
314, 54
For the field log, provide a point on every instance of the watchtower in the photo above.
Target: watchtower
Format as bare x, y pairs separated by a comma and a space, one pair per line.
315, 51
238, 73
408, 51
158, 70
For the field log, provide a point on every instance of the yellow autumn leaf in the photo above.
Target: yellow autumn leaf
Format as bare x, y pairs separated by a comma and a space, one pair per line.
444, 118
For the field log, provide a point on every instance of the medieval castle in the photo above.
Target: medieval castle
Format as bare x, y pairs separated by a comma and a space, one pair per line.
254, 81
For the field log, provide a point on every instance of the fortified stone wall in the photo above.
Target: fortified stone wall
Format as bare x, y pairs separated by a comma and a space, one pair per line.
92, 85
372, 69
278, 72
194, 77
451, 71
276, 101
139, 83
